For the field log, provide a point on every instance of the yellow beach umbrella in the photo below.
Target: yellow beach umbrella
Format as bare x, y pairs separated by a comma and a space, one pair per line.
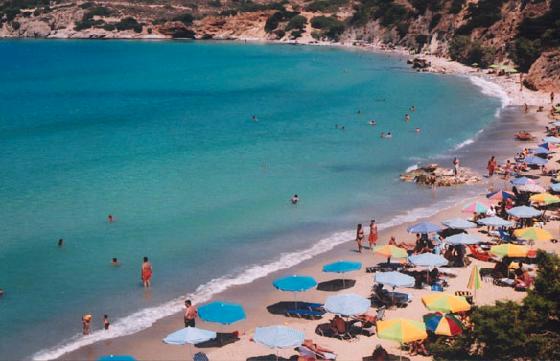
545, 198
390, 251
401, 330
509, 250
533, 234
444, 302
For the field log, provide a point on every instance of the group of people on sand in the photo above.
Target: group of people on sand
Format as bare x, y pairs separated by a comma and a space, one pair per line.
372, 237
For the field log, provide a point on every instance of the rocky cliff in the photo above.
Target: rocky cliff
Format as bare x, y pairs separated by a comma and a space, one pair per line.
524, 34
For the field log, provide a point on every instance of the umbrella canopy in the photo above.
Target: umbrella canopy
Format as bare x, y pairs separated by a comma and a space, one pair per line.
524, 212
294, 283
116, 358
444, 302
544, 198
189, 335
555, 187
536, 161
278, 337
401, 330
475, 282
545, 146
462, 238
554, 140
424, 227
347, 304
444, 325
221, 312
390, 251
532, 188
521, 181
458, 223
539, 150
509, 250
342, 267
495, 222
428, 260
394, 279
556, 123
475, 207
533, 234
500, 196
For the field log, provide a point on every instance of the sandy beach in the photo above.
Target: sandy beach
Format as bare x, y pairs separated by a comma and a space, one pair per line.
257, 295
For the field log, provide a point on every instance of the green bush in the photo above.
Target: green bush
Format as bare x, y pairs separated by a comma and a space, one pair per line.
482, 15
129, 23
109, 27
422, 5
330, 27
296, 34
456, 6
435, 20
185, 18
465, 51
387, 11
215, 3
98, 11
526, 52
274, 20
325, 6
298, 22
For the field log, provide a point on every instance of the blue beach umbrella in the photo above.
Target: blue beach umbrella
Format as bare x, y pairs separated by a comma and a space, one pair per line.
294, 283
553, 140
539, 150
462, 238
347, 304
116, 358
555, 187
424, 227
495, 222
545, 146
277, 337
524, 212
221, 312
521, 181
428, 260
189, 335
458, 223
394, 279
342, 267
536, 161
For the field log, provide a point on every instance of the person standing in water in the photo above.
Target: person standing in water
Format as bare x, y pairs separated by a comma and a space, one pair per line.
456, 167
106, 322
146, 273
86, 322
372, 238
359, 237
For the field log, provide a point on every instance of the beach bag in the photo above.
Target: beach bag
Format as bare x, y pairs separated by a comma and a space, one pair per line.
436, 287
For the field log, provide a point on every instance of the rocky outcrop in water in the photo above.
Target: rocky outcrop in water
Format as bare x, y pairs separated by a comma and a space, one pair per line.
434, 175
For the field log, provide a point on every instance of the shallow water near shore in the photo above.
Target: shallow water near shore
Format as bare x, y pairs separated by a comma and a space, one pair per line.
160, 135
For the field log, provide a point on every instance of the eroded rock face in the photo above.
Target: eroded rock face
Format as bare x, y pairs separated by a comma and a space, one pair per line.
176, 29
35, 29
433, 175
545, 72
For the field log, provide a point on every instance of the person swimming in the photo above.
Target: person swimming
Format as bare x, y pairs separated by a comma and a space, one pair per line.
294, 199
417, 130
115, 261
386, 135
413, 108
407, 117
110, 218
372, 122
254, 118
60, 242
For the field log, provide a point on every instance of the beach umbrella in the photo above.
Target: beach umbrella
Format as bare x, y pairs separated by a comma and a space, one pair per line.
545, 198
444, 302
532, 234
521, 181
189, 335
342, 267
390, 251
524, 212
277, 337
401, 330
116, 358
347, 304
458, 223
536, 161
556, 123
295, 283
443, 325
424, 227
428, 260
462, 238
394, 279
545, 146
500, 196
555, 187
539, 150
475, 207
532, 188
495, 222
509, 250
221, 312
553, 140
475, 282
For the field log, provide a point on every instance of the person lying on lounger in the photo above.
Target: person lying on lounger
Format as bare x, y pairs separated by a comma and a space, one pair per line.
309, 350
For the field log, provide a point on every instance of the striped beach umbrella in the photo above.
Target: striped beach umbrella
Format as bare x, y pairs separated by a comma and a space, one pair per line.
444, 325
475, 282
500, 196
533, 234
390, 251
544, 198
476, 207
401, 330
509, 250
444, 302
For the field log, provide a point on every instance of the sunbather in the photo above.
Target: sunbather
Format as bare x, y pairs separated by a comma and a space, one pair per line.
337, 325
309, 350
418, 348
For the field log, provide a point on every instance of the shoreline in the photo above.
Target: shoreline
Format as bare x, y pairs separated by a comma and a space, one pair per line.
262, 284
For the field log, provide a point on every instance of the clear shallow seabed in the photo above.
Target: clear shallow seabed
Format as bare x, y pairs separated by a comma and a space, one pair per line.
159, 134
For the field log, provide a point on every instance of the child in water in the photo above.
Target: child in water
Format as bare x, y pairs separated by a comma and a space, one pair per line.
106, 322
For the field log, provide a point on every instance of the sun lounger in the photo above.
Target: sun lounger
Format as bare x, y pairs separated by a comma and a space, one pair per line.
307, 310
306, 352
479, 254
467, 294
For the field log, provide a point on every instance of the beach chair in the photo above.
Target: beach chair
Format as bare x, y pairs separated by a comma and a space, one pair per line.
479, 255
504, 236
308, 353
308, 310
467, 294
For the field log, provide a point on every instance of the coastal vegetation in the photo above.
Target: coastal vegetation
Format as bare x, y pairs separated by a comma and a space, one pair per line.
508, 330
330, 27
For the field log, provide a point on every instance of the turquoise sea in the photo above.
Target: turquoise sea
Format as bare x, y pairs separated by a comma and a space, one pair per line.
160, 135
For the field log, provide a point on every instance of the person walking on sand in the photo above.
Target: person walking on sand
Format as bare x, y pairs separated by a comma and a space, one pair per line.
86, 322
456, 167
491, 166
372, 239
146, 273
359, 237
190, 314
